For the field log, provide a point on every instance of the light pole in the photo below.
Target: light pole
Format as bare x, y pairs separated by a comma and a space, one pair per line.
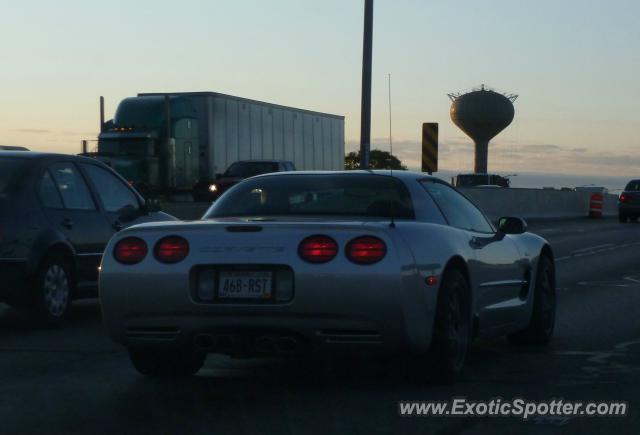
365, 111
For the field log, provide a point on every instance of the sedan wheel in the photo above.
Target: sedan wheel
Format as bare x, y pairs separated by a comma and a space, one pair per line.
53, 291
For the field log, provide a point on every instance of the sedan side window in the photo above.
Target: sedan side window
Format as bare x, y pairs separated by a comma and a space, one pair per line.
457, 209
115, 195
48, 192
73, 189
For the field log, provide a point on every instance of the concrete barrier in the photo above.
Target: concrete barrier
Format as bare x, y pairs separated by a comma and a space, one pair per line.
536, 203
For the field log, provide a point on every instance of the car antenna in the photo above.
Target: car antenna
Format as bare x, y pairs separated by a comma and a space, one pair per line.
392, 224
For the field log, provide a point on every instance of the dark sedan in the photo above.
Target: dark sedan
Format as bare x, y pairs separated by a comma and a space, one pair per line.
629, 202
57, 213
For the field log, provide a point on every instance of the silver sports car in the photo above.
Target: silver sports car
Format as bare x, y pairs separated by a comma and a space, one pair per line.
291, 263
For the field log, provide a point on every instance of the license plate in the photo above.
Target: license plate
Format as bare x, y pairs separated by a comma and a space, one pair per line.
244, 285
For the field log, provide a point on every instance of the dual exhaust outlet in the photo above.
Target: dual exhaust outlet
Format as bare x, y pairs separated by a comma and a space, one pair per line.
231, 344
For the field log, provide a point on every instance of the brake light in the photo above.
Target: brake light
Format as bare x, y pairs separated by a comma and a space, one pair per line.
624, 197
130, 250
171, 249
318, 249
366, 250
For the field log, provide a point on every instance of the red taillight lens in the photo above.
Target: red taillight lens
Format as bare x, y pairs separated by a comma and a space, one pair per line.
366, 250
318, 249
624, 198
171, 249
130, 250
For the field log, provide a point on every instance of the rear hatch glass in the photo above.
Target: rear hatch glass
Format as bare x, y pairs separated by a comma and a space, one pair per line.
633, 186
361, 195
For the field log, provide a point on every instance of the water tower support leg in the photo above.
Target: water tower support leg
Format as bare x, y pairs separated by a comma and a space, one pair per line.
482, 153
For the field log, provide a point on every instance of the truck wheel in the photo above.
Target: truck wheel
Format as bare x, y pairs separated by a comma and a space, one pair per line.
540, 329
622, 218
166, 363
53, 290
452, 328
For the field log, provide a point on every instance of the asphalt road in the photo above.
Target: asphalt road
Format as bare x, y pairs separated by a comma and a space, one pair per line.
74, 380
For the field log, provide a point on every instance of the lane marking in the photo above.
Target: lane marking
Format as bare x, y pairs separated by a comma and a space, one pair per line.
602, 248
592, 248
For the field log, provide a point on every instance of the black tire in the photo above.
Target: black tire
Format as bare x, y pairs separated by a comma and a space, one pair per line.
634, 219
542, 323
166, 363
622, 218
452, 328
53, 290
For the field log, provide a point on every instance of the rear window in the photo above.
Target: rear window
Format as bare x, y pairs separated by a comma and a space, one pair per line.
633, 186
250, 169
10, 170
360, 195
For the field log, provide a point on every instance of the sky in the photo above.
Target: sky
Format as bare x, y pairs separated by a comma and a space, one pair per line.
575, 65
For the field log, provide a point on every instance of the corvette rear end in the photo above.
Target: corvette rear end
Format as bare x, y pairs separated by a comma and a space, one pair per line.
246, 287
290, 263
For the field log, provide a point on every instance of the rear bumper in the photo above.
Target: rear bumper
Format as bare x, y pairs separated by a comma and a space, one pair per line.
629, 209
14, 280
254, 335
350, 312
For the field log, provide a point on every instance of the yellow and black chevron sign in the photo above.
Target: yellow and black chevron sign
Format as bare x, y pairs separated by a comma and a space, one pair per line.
430, 147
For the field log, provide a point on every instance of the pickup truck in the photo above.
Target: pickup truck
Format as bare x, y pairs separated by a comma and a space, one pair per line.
238, 171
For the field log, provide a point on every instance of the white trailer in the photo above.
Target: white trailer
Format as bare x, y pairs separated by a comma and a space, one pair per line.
233, 128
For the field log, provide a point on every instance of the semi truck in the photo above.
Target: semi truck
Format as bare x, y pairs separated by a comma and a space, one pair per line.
166, 143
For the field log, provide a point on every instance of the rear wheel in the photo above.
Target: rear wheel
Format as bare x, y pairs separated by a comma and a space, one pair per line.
540, 329
53, 290
452, 329
622, 218
166, 363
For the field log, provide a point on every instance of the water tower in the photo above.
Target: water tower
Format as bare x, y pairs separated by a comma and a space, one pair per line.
482, 114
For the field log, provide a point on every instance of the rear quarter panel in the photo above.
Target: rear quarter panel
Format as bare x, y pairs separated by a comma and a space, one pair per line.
432, 246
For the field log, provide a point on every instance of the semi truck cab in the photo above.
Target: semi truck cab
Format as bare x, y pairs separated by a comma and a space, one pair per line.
152, 141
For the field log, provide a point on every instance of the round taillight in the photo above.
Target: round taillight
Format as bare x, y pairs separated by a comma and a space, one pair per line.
171, 249
366, 250
318, 249
130, 250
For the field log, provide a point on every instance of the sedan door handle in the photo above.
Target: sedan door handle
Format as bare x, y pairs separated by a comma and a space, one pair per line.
117, 225
67, 223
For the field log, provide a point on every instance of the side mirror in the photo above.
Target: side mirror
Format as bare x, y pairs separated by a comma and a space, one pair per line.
152, 205
512, 225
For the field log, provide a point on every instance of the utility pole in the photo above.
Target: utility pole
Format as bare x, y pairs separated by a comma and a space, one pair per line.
365, 111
